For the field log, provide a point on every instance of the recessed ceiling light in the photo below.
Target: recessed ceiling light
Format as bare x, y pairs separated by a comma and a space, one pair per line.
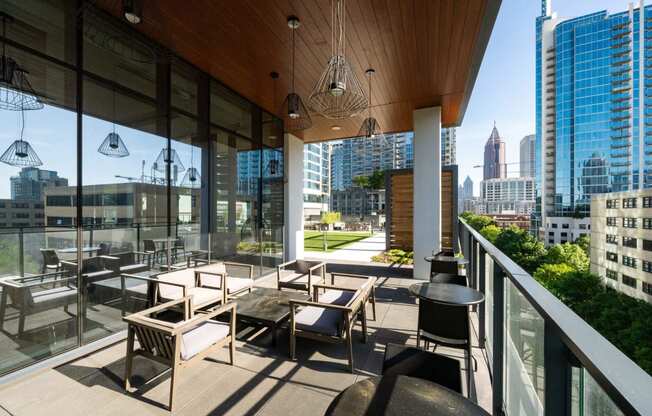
336, 128
132, 10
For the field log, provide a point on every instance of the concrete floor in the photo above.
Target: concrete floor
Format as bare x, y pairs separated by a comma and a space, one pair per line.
263, 380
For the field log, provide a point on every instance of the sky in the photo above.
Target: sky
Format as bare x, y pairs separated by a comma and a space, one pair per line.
504, 89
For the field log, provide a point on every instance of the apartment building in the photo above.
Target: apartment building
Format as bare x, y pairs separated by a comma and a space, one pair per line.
621, 241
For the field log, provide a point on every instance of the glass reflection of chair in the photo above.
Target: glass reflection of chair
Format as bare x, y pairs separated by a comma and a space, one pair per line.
51, 261
149, 247
104, 249
30, 295
178, 246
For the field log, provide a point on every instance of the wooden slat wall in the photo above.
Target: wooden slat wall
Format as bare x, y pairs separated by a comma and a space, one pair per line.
401, 200
401, 205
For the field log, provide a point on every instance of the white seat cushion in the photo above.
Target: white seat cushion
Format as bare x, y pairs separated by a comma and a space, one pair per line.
336, 297
202, 296
184, 277
235, 284
62, 295
201, 337
321, 320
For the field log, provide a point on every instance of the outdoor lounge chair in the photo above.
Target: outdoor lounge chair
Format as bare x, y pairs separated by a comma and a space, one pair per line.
51, 262
239, 277
129, 262
330, 317
178, 344
300, 274
34, 294
371, 294
180, 283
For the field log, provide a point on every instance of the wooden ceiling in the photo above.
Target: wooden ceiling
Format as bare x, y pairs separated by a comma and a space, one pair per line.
425, 52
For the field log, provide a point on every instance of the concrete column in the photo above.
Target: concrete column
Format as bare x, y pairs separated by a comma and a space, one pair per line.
293, 152
427, 188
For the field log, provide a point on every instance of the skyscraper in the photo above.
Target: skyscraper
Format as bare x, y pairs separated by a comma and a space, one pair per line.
361, 157
494, 156
592, 109
30, 183
468, 188
316, 178
526, 156
448, 146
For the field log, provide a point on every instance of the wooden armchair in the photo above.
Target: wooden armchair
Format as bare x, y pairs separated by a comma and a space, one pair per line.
300, 274
331, 318
238, 277
371, 294
178, 344
33, 294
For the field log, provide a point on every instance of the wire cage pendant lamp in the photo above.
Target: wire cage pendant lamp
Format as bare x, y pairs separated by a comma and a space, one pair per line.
191, 179
370, 127
20, 153
295, 114
162, 160
16, 92
113, 146
338, 94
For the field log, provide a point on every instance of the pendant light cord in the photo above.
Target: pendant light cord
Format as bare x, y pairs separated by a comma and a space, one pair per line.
22, 124
292, 59
4, 38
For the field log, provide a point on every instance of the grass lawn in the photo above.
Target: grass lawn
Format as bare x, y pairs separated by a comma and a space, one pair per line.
313, 240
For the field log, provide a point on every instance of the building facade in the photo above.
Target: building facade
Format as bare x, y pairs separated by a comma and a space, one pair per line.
508, 196
621, 241
592, 109
30, 182
494, 157
448, 146
21, 214
358, 203
527, 155
316, 179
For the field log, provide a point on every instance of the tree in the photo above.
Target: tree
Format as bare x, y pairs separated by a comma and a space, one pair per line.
361, 181
522, 247
478, 222
328, 218
377, 180
491, 232
568, 253
584, 241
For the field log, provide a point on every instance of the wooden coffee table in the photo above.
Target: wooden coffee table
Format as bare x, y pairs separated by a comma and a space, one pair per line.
267, 307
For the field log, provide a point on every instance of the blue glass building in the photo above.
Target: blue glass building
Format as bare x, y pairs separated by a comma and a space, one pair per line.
593, 108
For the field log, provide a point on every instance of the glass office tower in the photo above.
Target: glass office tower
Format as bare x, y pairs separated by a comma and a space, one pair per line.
593, 102
138, 151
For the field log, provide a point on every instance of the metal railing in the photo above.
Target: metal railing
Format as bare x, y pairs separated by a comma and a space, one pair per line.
543, 358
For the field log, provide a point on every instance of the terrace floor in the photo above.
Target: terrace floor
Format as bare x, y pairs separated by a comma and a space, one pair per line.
263, 380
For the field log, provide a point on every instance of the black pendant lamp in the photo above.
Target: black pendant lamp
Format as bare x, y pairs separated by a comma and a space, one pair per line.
295, 113
20, 153
370, 127
113, 146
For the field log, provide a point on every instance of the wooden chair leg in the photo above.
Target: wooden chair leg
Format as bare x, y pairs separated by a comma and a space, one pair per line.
364, 323
21, 324
373, 301
173, 376
349, 344
130, 356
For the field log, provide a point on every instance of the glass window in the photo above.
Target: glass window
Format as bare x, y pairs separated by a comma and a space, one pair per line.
124, 202
230, 111
45, 26
184, 89
611, 274
630, 242
629, 281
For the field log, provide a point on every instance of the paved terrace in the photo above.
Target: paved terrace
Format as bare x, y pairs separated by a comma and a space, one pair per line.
262, 382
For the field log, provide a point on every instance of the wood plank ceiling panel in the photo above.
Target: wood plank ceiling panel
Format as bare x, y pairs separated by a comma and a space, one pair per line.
425, 52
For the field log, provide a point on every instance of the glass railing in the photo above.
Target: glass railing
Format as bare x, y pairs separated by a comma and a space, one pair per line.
543, 358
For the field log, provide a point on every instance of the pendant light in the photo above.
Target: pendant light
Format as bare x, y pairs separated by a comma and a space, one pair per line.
113, 146
338, 93
16, 93
295, 113
20, 153
370, 127
162, 160
191, 179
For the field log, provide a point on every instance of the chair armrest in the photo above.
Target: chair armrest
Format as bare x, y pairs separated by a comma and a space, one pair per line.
202, 316
107, 257
198, 274
360, 276
295, 303
287, 263
334, 287
18, 285
317, 266
135, 316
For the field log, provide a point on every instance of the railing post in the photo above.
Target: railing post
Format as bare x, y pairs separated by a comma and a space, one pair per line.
558, 375
21, 252
482, 310
498, 339
137, 236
